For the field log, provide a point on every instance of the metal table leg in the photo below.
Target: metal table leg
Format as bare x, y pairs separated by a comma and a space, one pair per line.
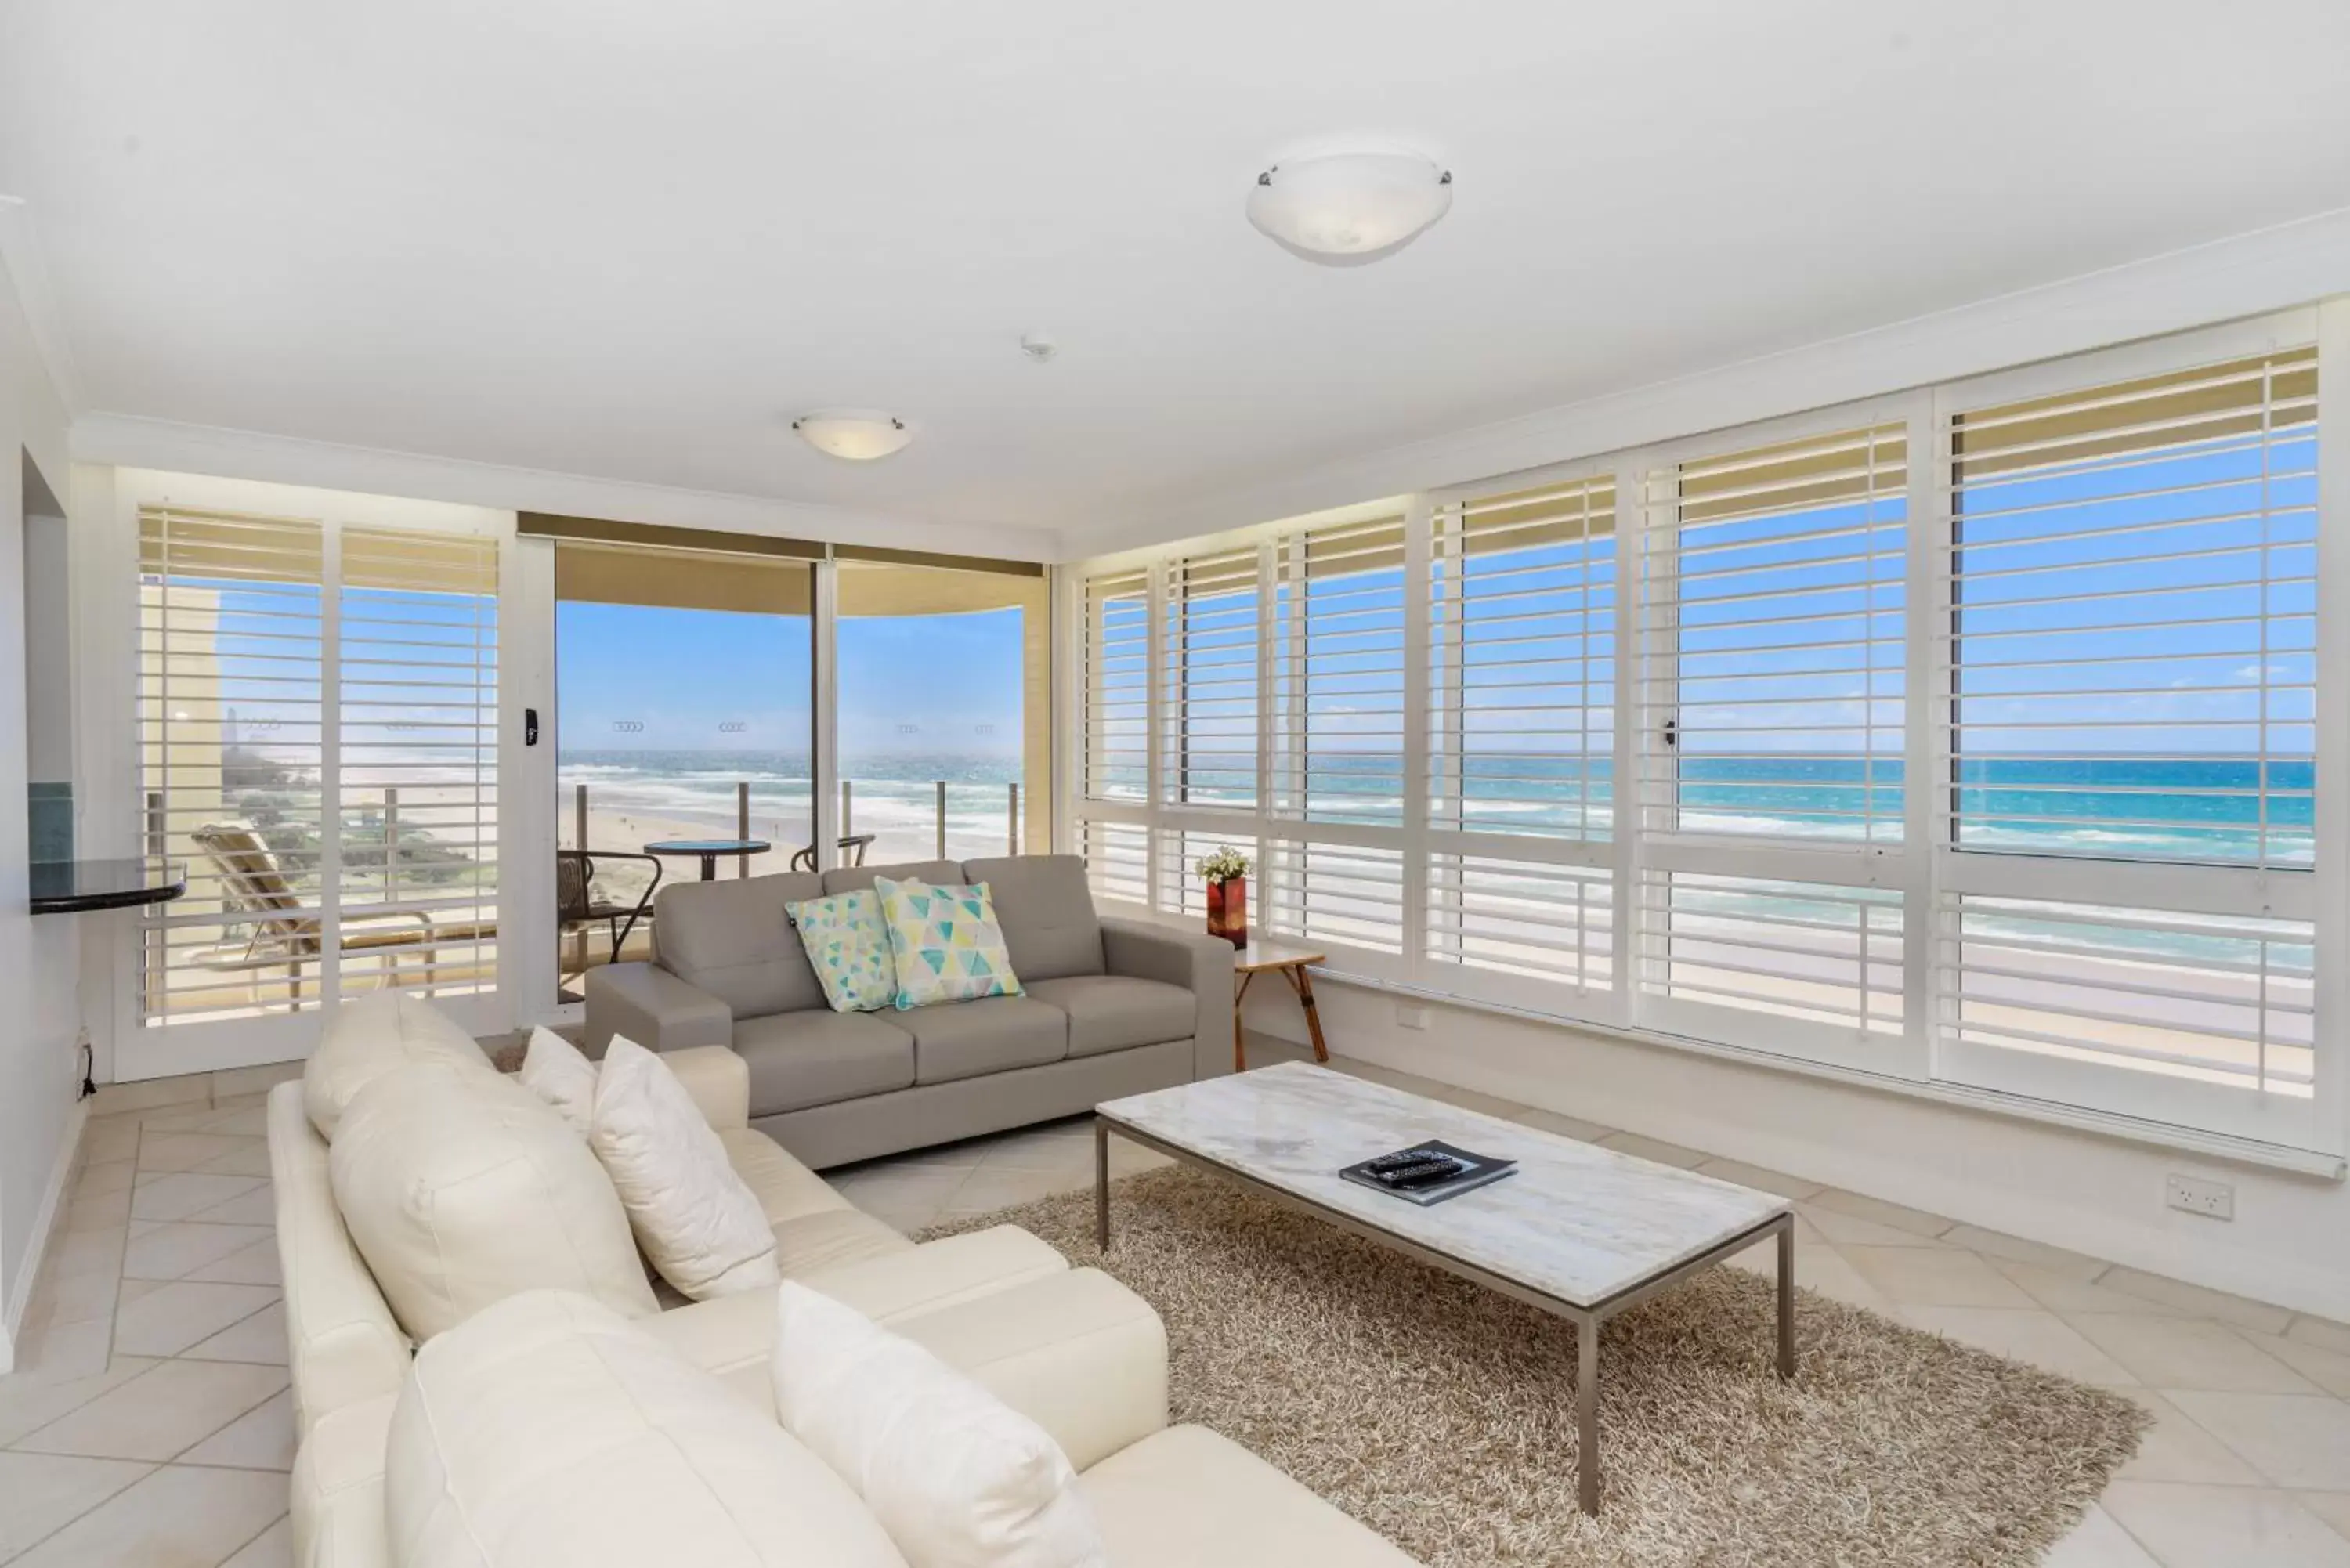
1101, 1184
1787, 1297
1587, 1413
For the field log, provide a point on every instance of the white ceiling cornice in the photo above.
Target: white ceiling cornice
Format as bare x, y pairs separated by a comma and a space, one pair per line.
130, 441
2246, 275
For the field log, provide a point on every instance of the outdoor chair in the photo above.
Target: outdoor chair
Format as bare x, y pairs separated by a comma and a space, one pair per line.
282, 933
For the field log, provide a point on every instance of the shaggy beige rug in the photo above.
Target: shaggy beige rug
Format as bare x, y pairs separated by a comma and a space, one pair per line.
1443, 1415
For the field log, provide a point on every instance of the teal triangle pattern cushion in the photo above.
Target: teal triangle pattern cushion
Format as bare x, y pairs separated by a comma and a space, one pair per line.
944, 942
849, 947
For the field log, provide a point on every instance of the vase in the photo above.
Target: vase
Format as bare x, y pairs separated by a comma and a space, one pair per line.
1228, 910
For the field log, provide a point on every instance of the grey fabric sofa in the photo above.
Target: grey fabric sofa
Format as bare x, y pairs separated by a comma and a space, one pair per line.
1109, 1007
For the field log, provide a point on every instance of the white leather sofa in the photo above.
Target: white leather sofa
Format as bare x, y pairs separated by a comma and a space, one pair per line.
548, 1431
478, 1162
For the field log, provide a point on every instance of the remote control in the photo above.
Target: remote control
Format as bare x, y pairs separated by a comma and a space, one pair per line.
1441, 1169
1387, 1162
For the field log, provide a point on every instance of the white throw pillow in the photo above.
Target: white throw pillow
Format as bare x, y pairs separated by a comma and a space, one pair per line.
699, 1222
557, 1071
958, 1478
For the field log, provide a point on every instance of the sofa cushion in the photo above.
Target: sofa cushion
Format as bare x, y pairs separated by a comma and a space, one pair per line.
380, 1033
548, 1432
1047, 911
1147, 1499
847, 879
697, 1219
342, 1345
995, 1035
813, 1058
460, 1191
732, 939
813, 1226
1112, 1012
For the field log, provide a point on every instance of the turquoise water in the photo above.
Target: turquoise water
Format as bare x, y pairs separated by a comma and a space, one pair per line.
2193, 809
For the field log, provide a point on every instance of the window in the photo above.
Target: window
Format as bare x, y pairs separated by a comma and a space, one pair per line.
318, 743
1774, 615
1971, 737
1522, 634
2132, 661
1772, 734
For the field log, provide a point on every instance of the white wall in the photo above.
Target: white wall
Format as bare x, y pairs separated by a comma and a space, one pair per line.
39, 960
2289, 1244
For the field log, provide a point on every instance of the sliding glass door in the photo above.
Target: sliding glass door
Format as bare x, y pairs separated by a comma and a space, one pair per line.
943, 714
684, 730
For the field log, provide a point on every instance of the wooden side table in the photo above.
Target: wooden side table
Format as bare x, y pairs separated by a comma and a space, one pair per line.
1291, 963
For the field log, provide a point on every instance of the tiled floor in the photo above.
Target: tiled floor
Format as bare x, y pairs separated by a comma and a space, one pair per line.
150, 1424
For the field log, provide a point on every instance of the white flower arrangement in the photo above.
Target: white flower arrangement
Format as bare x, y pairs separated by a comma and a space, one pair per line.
1226, 865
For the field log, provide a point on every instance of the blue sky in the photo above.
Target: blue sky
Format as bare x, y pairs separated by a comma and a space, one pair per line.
948, 685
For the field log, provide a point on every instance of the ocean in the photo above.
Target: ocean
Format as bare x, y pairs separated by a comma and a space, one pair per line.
894, 797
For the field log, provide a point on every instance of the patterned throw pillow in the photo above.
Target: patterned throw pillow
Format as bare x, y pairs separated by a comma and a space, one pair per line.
945, 943
849, 947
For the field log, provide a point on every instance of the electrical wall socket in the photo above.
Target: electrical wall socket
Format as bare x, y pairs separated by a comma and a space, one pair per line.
2196, 1195
1409, 1016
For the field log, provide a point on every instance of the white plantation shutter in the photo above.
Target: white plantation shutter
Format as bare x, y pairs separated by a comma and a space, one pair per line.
232, 752
1338, 675
1773, 621
1114, 688
1340, 894
1522, 603
1209, 682
418, 762
1783, 949
1333, 863
319, 728
1522, 638
1772, 697
2130, 631
1972, 736
1117, 861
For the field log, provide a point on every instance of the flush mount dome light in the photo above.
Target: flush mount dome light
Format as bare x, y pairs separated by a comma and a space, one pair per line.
1348, 208
859, 435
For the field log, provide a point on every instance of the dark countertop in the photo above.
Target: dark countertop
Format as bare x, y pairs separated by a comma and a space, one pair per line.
71, 887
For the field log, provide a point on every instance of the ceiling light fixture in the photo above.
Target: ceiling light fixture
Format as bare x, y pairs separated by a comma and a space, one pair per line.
1348, 208
858, 435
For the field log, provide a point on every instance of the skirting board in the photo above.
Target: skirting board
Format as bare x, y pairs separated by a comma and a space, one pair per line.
44, 1222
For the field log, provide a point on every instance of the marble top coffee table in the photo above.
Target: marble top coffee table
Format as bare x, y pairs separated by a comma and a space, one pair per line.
1579, 1230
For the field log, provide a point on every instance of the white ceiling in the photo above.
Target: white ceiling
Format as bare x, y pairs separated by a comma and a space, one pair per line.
606, 238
